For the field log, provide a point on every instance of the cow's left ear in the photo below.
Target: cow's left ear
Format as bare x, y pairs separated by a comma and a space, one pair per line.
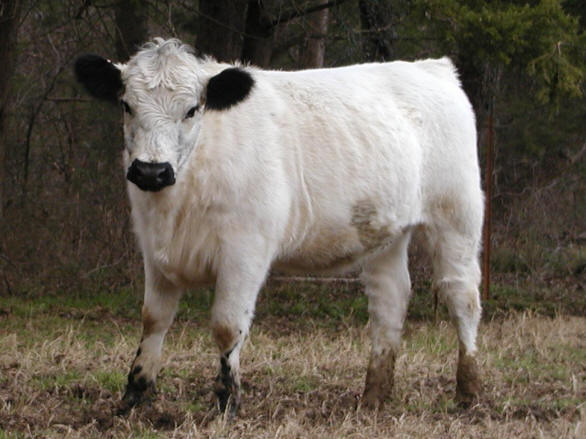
228, 88
100, 77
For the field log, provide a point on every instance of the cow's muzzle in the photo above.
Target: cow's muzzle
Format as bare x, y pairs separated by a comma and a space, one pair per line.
151, 176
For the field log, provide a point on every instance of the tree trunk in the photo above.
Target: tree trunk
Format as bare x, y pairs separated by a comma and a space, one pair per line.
375, 21
314, 45
131, 27
221, 28
8, 29
258, 38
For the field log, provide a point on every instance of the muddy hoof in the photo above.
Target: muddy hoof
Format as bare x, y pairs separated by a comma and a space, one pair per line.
467, 396
379, 379
373, 399
468, 386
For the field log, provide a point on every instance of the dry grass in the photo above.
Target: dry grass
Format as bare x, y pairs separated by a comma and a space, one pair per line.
61, 374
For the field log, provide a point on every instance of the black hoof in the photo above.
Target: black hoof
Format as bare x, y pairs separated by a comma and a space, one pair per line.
227, 390
228, 401
228, 404
138, 391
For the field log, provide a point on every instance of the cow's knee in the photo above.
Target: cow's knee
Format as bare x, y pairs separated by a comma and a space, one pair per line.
463, 301
226, 336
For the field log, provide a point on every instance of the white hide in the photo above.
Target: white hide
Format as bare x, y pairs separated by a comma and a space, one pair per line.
318, 170
294, 159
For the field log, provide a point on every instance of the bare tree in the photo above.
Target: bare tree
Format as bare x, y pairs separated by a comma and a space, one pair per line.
259, 35
375, 21
221, 28
245, 29
314, 45
131, 27
8, 29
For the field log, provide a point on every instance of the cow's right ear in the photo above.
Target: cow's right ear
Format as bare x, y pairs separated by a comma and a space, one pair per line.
100, 77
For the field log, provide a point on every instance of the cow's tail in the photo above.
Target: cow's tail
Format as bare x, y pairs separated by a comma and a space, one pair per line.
442, 67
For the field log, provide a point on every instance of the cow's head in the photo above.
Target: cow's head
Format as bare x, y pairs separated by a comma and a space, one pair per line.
164, 91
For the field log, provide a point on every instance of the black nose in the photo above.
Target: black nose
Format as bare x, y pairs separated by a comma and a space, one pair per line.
151, 176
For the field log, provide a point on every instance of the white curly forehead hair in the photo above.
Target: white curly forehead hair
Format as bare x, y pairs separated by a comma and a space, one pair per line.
163, 63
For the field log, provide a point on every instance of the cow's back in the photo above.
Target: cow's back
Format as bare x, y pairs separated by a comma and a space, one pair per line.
371, 147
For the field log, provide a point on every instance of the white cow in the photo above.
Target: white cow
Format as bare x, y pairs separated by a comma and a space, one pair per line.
233, 170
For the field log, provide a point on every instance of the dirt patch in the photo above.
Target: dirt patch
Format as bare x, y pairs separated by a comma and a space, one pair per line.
88, 408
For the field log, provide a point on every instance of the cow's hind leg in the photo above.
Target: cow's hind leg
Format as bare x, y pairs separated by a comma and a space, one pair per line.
456, 278
159, 308
388, 287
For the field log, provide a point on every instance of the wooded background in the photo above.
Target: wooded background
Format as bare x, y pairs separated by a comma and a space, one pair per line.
64, 216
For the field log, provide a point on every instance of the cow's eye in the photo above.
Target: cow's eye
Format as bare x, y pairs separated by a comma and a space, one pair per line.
191, 112
126, 107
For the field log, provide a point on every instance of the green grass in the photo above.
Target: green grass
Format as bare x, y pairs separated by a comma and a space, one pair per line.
328, 305
195, 407
521, 297
303, 383
195, 305
10, 435
113, 381
434, 342
145, 434
56, 380
533, 366
123, 302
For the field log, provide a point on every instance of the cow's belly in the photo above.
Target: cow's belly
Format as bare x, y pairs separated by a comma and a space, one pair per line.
325, 250
334, 265
331, 249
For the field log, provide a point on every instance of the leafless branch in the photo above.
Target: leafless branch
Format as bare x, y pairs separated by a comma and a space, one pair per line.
67, 99
282, 18
288, 16
103, 267
575, 157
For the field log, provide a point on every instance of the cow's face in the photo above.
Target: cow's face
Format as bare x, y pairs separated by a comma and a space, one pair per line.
163, 92
161, 127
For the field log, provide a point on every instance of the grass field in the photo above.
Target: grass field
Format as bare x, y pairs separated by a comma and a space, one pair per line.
63, 366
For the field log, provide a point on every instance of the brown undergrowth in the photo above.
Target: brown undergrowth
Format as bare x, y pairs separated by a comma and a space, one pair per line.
61, 375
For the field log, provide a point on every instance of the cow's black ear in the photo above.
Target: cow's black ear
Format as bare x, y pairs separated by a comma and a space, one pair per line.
99, 76
228, 88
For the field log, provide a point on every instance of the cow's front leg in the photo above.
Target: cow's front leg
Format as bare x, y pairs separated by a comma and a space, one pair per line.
160, 304
237, 287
